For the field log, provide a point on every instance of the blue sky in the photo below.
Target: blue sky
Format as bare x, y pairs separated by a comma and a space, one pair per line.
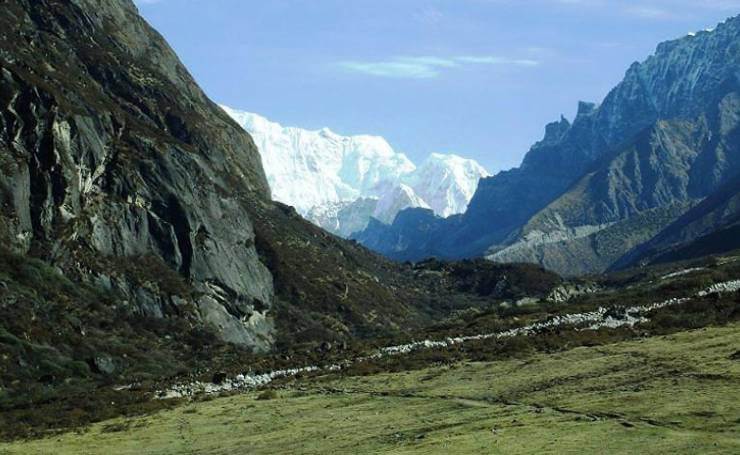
479, 78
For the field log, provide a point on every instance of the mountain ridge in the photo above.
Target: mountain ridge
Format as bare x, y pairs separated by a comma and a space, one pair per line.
663, 137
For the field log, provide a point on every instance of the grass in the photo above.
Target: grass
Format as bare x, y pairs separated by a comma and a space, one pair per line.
678, 393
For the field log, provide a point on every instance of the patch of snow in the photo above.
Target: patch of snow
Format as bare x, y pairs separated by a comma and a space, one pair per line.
398, 198
446, 182
310, 168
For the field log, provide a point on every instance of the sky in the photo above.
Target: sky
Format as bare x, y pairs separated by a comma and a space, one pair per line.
479, 78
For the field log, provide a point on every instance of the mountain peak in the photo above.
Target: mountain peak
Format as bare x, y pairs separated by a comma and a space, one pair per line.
392, 202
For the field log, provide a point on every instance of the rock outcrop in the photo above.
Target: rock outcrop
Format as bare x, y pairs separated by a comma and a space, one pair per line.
115, 163
711, 227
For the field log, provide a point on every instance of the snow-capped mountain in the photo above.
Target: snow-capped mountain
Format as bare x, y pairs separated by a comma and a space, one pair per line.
306, 169
446, 182
339, 182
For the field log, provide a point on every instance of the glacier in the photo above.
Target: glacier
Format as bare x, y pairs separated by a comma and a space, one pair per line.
339, 182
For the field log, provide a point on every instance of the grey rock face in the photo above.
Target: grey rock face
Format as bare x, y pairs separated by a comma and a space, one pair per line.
643, 189
116, 169
114, 165
568, 291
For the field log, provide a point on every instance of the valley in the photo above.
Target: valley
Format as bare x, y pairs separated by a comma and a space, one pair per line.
177, 276
471, 369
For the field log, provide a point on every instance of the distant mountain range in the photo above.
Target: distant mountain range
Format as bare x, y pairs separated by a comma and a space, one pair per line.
341, 182
648, 170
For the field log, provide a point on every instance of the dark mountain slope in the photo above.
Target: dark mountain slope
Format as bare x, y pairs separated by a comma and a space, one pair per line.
328, 288
414, 234
712, 227
355, 293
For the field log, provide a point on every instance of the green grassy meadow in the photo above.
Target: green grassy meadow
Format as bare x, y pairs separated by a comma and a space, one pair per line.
678, 393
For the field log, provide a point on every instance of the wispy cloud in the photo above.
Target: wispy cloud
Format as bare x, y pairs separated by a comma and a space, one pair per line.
490, 60
425, 67
399, 69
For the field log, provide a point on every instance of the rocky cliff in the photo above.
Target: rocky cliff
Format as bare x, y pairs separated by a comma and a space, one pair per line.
711, 227
114, 162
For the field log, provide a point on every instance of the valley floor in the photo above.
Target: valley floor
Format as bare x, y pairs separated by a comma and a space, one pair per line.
671, 394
